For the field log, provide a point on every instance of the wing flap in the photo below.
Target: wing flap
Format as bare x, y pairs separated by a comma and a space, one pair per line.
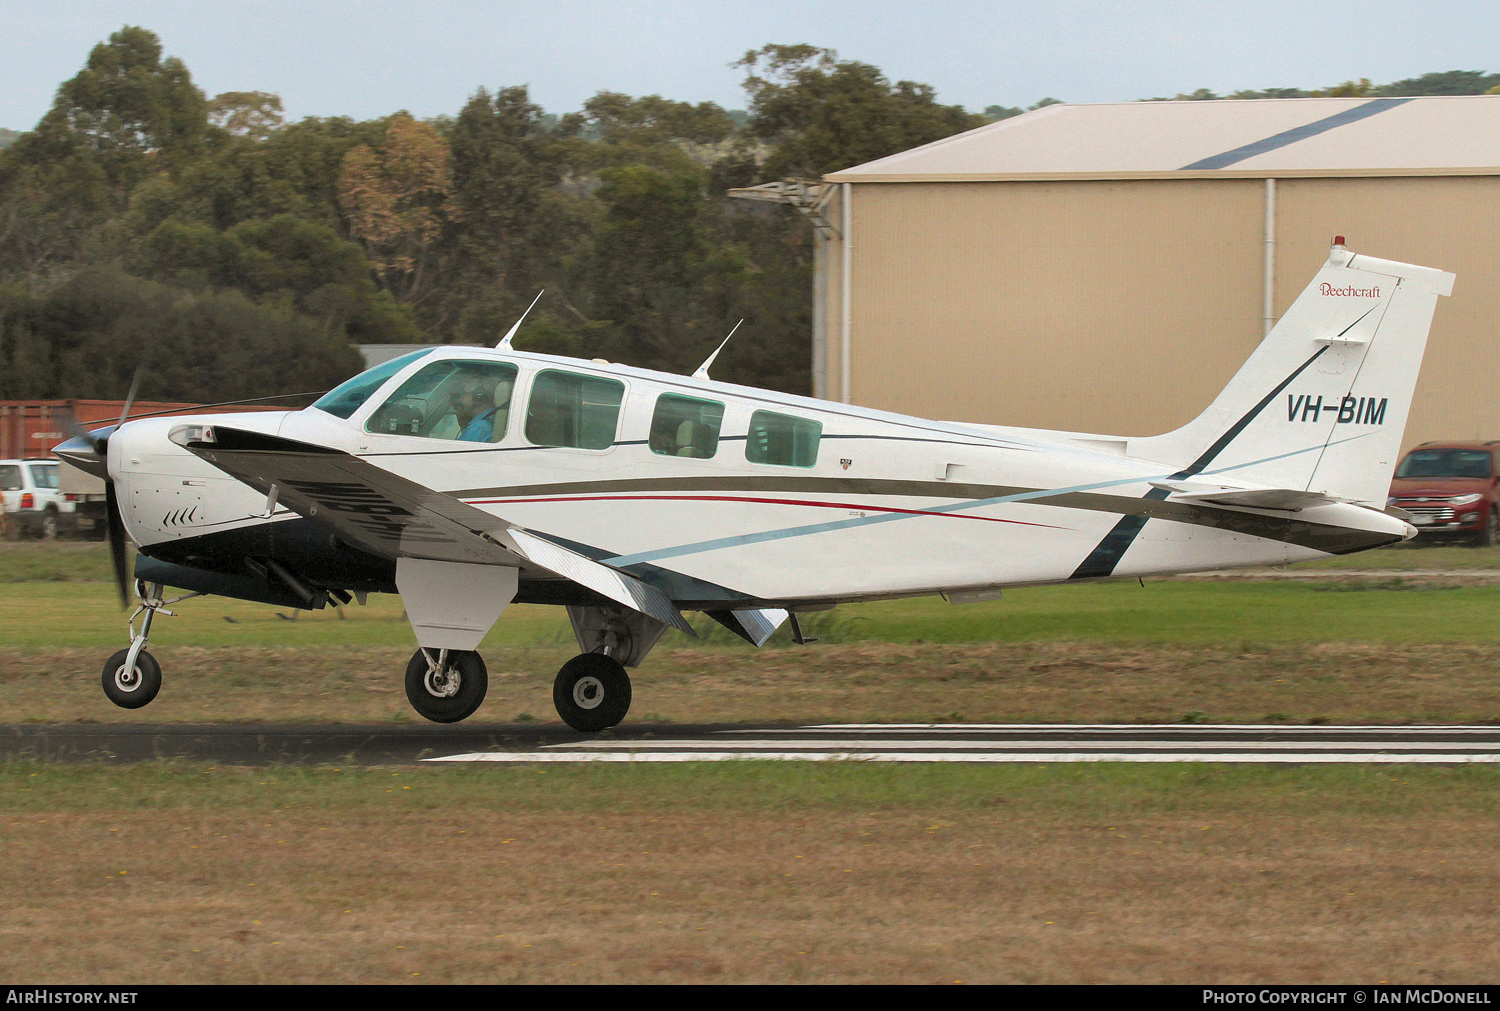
612, 583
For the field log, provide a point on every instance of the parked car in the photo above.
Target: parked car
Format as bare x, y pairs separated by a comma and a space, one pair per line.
32, 499
1451, 489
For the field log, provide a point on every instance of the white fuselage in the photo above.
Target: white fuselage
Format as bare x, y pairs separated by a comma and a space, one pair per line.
892, 505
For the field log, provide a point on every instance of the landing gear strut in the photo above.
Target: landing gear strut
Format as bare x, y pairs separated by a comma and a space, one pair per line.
592, 692
446, 685
132, 677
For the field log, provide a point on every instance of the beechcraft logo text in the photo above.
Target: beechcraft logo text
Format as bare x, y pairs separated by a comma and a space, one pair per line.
1350, 292
1350, 410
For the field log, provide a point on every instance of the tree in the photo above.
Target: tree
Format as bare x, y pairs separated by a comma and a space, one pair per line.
397, 199
1451, 82
252, 114
995, 113
820, 114
514, 227
1361, 88
91, 332
128, 109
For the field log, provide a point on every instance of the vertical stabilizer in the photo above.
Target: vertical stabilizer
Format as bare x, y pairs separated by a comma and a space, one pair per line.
1322, 403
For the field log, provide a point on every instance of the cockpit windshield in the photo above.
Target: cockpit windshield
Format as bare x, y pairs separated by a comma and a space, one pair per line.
346, 398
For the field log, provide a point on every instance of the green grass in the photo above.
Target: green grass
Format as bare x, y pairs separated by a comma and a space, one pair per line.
1414, 556
1073, 789
52, 615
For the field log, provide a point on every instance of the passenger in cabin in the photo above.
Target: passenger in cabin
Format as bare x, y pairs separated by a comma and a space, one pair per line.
488, 425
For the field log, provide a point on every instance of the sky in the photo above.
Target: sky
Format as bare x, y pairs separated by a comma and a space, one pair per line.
369, 58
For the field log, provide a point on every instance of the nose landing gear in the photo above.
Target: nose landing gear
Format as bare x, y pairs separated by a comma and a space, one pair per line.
132, 677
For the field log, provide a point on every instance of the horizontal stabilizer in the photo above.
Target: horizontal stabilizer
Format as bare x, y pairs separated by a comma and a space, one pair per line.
1283, 499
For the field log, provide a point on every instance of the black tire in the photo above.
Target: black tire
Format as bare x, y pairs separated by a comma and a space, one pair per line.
134, 690
1487, 536
452, 697
592, 692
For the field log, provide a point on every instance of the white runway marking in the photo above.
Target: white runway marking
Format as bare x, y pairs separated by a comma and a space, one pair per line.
988, 743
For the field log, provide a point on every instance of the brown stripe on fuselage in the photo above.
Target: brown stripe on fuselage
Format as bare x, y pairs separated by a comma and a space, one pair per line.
1289, 530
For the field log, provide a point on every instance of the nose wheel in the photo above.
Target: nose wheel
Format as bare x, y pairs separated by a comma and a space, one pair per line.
131, 684
592, 692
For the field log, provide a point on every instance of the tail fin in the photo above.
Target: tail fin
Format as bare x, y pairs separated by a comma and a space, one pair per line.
1321, 405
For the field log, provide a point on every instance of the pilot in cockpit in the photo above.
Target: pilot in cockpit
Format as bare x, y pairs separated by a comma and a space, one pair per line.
487, 424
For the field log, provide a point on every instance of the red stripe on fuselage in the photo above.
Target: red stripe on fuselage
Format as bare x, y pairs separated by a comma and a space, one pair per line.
758, 501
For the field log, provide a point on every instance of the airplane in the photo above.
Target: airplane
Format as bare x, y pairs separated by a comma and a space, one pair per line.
467, 478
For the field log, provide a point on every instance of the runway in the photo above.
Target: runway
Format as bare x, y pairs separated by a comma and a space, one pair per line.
987, 743
386, 744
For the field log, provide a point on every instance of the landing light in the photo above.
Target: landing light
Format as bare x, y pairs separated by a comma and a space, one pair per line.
184, 434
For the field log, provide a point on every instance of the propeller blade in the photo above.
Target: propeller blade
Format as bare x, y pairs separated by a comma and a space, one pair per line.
117, 552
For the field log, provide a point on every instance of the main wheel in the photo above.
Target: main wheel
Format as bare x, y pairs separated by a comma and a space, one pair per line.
592, 692
450, 694
134, 688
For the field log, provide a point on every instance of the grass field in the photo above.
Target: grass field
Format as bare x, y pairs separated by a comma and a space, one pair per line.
1408, 647
765, 872
750, 872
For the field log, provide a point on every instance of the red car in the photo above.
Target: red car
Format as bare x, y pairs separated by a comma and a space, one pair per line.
1451, 489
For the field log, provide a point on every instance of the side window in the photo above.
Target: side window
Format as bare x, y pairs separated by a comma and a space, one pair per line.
465, 400
10, 478
43, 475
567, 409
686, 426
782, 439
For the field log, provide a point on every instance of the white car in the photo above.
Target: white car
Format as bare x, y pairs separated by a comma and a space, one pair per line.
32, 499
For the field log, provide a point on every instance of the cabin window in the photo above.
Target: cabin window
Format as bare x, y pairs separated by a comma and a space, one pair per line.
781, 439
346, 398
686, 426
568, 409
463, 400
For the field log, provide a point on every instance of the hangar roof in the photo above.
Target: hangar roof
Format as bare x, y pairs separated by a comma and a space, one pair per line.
1279, 137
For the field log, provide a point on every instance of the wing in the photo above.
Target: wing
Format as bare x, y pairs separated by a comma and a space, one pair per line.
397, 518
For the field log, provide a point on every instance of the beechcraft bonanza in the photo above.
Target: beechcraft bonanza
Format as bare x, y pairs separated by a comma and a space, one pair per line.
467, 478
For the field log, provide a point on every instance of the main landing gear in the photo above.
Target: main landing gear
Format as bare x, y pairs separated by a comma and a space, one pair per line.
592, 692
132, 677
446, 685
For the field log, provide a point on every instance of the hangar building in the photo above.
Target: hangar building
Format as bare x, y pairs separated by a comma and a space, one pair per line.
1107, 268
